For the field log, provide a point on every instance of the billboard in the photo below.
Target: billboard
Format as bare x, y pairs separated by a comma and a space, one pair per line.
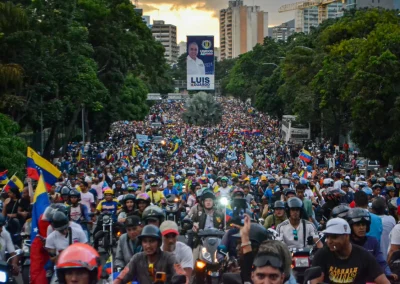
200, 63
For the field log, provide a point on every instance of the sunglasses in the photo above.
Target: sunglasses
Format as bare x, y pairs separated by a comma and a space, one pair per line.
296, 237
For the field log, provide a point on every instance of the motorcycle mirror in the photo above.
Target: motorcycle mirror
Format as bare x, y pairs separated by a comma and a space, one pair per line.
222, 250
261, 221
312, 273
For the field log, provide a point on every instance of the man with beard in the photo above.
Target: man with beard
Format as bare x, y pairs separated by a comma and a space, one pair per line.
182, 252
343, 262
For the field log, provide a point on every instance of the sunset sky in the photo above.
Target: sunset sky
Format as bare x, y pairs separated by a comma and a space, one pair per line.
194, 17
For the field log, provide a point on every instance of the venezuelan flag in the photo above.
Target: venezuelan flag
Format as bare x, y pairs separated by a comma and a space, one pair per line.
3, 177
305, 156
303, 174
14, 182
268, 159
108, 266
37, 165
40, 203
206, 171
176, 149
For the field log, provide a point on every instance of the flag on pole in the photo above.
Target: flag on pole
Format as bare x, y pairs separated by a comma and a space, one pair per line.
249, 161
176, 149
37, 165
108, 266
305, 156
3, 177
40, 203
14, 182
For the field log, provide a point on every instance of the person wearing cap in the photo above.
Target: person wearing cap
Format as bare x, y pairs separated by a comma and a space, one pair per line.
156, 196
128, 243
183, 253
344, 262
144, 265
170, 189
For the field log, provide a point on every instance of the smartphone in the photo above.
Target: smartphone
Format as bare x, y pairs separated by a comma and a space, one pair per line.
238, 211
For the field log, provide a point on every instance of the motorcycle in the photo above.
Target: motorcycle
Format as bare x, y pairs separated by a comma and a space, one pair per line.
172, 209
6, 269
106, 237
26, 260
209, 265
302, 258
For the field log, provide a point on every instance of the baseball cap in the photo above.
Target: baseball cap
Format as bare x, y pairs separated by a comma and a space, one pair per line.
154, 183
168, 227
337, 226
132, 221
263, 178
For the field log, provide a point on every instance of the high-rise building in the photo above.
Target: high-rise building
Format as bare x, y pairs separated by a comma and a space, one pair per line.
241, 28
182, 47
283, 31
166, 34
146, 19
386, 4
308, 18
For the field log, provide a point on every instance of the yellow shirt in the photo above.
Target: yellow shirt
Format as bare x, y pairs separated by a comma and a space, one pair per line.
155, 197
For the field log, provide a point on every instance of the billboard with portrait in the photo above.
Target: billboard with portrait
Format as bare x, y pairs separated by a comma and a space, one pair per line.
200, 63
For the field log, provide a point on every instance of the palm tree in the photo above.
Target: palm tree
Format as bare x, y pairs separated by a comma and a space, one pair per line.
202, 110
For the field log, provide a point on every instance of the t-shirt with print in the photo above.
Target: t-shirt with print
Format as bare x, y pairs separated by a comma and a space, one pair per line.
360, 267
59, 242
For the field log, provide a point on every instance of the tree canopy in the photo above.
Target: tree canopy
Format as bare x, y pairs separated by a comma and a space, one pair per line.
202, 110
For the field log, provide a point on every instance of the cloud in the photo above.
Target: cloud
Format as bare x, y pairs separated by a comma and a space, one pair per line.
206, 5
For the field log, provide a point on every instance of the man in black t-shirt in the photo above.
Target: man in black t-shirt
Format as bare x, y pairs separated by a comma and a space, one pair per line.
343, 262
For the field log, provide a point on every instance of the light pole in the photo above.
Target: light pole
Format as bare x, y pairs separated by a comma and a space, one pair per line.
270, 63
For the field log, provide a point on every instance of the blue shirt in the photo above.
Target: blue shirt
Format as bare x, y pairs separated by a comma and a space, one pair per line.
376, 227
168, 191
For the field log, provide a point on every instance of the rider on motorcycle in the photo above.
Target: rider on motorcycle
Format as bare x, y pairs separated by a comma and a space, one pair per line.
79, 263
278, 217
142, 202
208, 216
77, 211
153, 215
295, 231
144, 265
128, 207
224, 190
360, 221
128, 243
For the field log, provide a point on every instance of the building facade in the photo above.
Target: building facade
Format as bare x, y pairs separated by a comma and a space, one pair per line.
283, 31
241, 28
166, 34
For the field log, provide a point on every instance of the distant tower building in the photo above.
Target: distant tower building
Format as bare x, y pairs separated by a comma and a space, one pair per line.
166, 34
241, 28
283, 31
308, 18
182, 47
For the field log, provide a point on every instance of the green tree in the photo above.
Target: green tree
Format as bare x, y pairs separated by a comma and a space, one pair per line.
202, 110
12, 148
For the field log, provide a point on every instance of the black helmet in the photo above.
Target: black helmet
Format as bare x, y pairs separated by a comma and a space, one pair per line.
345, 183
2, 220
279, 205
374, 180
258, 234
60, 221
153, 212
390, 188
340, 211
53, 208
150, 231
376, 185
128, 197
357, 215
207, 194
65, 190
390, 178
294, 202
132, 221
379, 205
74, 193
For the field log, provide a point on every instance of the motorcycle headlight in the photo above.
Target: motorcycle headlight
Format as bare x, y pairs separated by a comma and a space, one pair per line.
301, 262
3, 277
205, 254
106, 219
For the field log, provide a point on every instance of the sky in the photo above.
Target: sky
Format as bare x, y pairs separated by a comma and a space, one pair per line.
200, 17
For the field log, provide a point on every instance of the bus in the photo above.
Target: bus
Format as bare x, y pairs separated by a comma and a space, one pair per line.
293, 131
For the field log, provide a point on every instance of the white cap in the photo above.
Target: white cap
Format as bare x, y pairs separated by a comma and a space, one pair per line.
337, 226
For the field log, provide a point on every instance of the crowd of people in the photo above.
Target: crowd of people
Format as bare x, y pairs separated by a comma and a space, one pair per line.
278, 203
